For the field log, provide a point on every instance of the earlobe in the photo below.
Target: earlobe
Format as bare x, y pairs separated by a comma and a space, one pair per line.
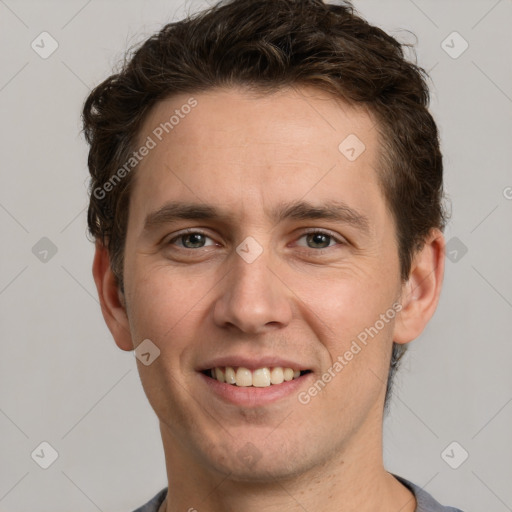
420, 294
112, 301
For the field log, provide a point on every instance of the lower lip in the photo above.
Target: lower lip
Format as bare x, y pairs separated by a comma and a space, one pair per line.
251, 396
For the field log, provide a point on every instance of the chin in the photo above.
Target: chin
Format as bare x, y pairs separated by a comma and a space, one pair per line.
261, 465
263, 475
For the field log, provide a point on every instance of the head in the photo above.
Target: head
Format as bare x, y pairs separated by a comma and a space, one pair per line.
245, 106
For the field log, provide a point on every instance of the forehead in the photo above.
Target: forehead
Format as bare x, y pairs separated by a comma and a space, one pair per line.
235, 116
235, 148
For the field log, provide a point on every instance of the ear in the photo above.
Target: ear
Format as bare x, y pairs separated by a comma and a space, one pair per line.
111, 298
421, 292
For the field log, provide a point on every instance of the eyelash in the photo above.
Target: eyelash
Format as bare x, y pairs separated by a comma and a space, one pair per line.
311, 231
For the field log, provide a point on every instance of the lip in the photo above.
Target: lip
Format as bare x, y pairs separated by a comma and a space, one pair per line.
252, 397
253, 363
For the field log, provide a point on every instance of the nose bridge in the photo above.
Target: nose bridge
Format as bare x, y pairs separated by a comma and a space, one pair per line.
251, 267
252, 297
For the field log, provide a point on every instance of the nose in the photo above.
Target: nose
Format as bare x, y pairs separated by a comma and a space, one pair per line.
253, 298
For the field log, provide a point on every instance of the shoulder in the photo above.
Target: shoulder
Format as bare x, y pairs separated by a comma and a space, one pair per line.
154, 503
425, 502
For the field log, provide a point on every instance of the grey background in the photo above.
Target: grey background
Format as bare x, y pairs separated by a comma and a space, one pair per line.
64, 381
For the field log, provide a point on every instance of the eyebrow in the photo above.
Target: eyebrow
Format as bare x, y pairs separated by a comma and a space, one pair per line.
296, 210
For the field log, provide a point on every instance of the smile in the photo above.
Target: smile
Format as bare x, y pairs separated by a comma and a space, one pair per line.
259, 378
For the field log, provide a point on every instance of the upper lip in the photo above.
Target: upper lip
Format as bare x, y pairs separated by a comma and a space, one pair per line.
252, 363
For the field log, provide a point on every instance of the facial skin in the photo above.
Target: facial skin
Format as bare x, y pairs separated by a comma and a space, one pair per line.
303, 299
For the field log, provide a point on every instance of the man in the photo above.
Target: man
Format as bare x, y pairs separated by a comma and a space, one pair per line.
266, 199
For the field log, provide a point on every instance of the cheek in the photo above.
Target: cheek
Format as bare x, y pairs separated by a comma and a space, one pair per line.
345, 313
162, 302
344, 303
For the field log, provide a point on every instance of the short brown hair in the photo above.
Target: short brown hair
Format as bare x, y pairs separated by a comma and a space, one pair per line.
266, 45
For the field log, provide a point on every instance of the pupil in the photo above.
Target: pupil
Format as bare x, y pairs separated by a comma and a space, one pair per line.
195, 238
320, 238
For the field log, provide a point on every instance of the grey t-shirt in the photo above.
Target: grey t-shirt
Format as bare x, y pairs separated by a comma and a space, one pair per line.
425, 502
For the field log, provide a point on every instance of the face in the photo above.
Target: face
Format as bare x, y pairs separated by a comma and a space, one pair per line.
286, 258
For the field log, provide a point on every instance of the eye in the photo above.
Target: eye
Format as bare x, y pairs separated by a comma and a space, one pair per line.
320, 239
315, 239
191, 240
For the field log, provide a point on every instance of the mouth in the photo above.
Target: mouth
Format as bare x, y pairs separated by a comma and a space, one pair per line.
258, 378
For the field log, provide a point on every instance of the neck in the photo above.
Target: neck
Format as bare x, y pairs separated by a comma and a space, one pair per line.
350, 480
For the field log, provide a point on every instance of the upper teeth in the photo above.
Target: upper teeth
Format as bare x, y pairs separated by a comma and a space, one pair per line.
260, 378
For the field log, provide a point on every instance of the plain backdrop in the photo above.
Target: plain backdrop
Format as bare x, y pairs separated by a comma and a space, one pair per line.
63, 381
